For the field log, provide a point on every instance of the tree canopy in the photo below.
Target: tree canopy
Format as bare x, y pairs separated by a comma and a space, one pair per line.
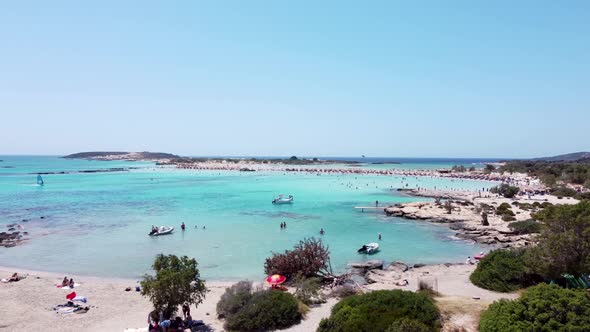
177, 281
564, 243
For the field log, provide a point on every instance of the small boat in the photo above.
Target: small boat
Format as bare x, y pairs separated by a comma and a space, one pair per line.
282, 200
369, 248
39, 180
161, 231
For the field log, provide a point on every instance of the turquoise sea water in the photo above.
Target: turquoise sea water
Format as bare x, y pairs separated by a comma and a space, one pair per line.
97, 223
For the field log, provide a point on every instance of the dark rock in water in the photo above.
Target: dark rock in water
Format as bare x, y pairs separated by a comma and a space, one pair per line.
42, 217
24, 220
368, 265
10, 239
11, 229
397, 267
419, 265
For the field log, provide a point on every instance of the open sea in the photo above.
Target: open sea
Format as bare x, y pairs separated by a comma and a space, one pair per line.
97, 223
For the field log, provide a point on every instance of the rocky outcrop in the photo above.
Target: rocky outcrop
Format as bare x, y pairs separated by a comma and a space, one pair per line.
10, 239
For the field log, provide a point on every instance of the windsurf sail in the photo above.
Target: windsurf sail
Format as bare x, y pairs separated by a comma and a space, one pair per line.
39, 180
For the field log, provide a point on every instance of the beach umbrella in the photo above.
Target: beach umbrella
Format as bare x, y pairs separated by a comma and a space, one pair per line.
276, 279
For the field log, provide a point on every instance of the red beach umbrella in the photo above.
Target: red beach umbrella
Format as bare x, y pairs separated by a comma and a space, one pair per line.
276, 279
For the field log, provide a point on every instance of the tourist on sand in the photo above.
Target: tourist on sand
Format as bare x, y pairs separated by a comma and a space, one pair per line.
15, 277
468, 261
71, 283
186, 310
65, 282
402, 283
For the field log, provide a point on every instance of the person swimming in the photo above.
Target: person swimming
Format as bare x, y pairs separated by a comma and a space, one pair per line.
322, 231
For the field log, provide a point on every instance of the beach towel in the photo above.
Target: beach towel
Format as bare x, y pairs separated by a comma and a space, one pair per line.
71, 296
82, 299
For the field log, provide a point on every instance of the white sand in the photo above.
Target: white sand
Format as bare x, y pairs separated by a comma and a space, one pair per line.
27, 305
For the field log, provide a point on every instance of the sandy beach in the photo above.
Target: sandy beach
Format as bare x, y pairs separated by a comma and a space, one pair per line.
27, 304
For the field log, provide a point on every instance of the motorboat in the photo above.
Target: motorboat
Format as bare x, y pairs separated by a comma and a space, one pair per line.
163, 230
282, 200
369, 248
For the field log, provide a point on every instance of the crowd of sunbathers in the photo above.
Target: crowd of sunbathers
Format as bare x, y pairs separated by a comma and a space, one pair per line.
163, 323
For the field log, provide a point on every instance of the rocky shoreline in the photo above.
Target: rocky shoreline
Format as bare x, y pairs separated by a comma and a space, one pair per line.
463, 212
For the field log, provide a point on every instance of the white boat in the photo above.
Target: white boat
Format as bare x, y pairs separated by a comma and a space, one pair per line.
163, 230
369, 248
282, 200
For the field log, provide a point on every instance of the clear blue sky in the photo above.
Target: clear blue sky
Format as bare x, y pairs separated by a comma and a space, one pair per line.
327, 78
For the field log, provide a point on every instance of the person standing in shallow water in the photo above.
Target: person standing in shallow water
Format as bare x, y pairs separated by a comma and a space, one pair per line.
379, 236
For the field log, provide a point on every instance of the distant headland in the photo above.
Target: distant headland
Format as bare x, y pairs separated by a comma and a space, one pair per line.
118, 155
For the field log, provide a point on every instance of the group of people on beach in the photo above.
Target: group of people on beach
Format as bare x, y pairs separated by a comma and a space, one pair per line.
67, 283
160, 322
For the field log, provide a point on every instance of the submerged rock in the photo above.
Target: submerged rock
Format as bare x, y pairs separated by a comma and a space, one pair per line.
368, 265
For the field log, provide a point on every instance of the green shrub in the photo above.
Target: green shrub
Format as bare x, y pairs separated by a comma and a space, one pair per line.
564, 192
528, 226
540, 308
343, 291
507, 217
564, 242
266, 310
378, 310
500, 271
505, 190
408, 325
234, 298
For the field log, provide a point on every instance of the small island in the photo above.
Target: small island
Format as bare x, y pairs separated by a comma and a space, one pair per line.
118, 155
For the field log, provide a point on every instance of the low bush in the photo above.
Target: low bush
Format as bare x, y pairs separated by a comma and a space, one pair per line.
507, 217
266, 310
528, 226
408, 325
505, 190
501, 271
234, 298
343, 291
564, 192
379, 310
540, 308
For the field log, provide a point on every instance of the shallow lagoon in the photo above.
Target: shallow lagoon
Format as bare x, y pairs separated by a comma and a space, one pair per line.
97, 223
